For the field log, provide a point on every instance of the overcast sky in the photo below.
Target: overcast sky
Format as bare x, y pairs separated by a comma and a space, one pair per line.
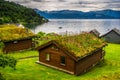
81, 5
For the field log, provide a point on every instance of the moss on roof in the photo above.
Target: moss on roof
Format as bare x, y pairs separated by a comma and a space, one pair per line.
12, 32
80, 44
7, 26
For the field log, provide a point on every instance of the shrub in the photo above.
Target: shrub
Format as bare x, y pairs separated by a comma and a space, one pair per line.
1, 44
7, 61
1, 77
41, 34
12, 62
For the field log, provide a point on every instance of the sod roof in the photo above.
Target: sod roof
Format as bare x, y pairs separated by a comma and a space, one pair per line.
12, 32
81, 44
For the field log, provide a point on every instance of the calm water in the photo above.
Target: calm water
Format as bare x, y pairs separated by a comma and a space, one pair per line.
78, 25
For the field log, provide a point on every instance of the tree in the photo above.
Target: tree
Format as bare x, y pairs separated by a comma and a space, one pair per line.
11, 12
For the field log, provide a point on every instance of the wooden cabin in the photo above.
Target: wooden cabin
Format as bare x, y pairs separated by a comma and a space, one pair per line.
15, 38
72, 54
17, 45
112, 36
95, 32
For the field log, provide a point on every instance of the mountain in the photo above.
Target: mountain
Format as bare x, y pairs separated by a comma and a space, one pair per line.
11, 12
72, 14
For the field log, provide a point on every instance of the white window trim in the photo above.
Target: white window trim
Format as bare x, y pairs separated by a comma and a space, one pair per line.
15, 42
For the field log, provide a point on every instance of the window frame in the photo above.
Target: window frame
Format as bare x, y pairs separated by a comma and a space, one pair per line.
61, 62
47, 57
15, 42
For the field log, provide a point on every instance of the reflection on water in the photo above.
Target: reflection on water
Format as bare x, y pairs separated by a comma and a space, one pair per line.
77, 25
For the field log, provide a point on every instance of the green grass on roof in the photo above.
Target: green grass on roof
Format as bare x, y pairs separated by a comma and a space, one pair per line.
12, 32
79, 45
7, 26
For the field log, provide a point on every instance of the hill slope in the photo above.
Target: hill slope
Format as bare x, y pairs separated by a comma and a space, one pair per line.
72, 14
11, 12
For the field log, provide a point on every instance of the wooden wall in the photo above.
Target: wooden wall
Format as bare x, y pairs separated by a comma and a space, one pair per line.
55, 58
112, 37
76, 67
86, 63
17, 45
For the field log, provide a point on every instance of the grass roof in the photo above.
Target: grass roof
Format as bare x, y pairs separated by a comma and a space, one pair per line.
80, 44
5, 26
12, 32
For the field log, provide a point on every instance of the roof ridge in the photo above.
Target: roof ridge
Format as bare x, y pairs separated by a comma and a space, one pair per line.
116, 30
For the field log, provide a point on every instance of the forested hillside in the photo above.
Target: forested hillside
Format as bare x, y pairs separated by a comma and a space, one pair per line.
73, 14
11, 12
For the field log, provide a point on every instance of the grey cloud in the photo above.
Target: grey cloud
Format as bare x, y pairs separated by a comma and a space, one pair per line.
113, 5
20, 1
38, 0
62, 0
84, 5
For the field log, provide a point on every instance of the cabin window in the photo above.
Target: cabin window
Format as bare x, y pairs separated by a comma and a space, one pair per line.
15, 42
48, 56
62, 58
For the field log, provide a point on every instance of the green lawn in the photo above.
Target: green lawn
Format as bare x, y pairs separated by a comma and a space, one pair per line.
24, 54
27, 69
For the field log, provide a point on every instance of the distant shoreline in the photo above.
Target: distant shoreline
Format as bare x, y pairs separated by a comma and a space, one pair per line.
72, 14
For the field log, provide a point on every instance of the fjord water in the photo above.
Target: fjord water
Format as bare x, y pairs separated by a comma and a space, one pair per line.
77, 25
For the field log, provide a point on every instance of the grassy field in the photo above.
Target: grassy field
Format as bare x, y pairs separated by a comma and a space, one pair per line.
27, 69
24, 54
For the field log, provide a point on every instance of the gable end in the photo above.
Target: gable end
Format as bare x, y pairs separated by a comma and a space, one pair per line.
59, 46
